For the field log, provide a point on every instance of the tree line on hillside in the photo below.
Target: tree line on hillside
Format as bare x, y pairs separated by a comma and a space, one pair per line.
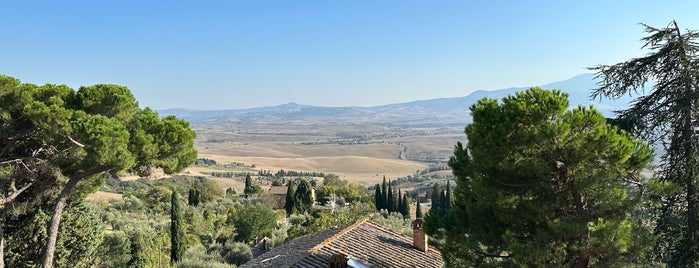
206, 162
289, 173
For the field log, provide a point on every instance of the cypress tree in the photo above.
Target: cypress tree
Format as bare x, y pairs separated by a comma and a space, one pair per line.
197, 195
390, 203
248, 185
436, 198
378, 197
396, 200
399, 202
193, 197
403, 206
406, 206
303, 197
177, 230
384, 194
290, 192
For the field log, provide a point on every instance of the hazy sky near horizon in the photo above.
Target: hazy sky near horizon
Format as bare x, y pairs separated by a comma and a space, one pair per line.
241, 54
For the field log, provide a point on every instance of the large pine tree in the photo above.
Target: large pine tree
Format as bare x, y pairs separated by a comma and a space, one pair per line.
80, 136
542, 185
668, 115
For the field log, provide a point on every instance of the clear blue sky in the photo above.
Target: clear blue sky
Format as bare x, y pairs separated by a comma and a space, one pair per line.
239, 54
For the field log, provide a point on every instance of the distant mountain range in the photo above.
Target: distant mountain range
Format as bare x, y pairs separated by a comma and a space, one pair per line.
442, 111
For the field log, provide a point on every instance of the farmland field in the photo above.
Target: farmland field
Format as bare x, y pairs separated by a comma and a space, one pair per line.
361, 154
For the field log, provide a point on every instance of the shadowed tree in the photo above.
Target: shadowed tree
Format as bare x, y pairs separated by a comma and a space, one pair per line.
390, 202
405, 205
378, 197
668, 116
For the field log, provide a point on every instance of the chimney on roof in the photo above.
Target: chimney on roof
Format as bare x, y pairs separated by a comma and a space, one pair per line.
419, 236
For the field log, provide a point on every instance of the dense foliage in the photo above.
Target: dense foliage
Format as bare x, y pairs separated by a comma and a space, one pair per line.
251, 188
219, 231
303, 197
53, 137
541, 185
178, 244
79, 236
436, 218
667, 116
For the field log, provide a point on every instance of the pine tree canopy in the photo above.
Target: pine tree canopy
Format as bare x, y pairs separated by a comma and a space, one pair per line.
542, 185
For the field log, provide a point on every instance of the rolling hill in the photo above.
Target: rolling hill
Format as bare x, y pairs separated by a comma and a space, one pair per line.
432, 112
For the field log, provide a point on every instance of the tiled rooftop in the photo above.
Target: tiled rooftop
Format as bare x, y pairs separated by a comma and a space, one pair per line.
280, 190
364, 241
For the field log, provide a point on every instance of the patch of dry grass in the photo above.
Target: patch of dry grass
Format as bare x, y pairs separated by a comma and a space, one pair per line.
103, 196
275, 146
358, 169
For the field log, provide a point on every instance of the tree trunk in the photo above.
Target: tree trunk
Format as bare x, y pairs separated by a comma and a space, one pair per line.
583, 261
55, 222
2, 248
691, 211
690, 181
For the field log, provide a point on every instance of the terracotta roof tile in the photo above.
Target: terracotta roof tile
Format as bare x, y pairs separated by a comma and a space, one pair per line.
363, 241
279, 190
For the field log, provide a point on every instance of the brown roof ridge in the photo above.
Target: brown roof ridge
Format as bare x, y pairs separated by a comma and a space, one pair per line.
388, 230
336, 236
